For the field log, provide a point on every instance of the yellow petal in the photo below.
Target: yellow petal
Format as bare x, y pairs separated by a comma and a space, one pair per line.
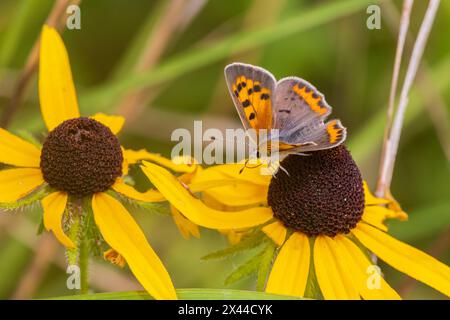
234, 236
114, 123
114, 257
186, 227
133, 156
361, 270
332, 273
375, 215
195, 210
230, 191
396, 209
405, 258
17, 183
128, 191
291, 268
122, 233
18, 152
276, 231
54, 206
234, 170
370, 199
125, 167
57, 94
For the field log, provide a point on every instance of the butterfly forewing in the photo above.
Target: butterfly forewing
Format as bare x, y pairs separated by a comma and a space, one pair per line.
251, 89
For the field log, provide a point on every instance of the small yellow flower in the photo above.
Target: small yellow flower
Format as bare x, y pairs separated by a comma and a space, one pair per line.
321, 216
81, 158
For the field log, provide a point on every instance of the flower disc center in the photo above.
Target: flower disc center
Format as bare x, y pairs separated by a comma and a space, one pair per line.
81, 156
322, 195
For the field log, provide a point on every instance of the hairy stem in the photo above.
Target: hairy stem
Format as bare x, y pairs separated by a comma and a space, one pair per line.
83, 264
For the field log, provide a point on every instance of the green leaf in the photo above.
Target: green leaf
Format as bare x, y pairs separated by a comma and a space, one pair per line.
184, 294
161, 208
247, 242
246, 269
40, 228
265, 264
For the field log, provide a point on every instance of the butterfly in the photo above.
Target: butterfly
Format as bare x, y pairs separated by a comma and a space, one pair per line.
291, 105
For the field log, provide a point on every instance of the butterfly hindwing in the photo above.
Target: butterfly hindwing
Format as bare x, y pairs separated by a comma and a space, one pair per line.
251, 89
299, 112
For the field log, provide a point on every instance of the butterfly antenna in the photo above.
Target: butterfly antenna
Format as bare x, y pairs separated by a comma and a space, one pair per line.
301, 154
245, 166
284, 170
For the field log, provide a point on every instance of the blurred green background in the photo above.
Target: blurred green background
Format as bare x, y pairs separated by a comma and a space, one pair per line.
160, 63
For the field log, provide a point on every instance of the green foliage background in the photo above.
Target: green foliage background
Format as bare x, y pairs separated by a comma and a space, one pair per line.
326, 42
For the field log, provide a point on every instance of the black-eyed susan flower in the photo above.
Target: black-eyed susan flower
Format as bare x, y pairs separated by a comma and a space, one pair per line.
77, 174
321, 216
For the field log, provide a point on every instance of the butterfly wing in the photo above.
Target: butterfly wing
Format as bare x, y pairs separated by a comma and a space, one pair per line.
299, 113
251, 89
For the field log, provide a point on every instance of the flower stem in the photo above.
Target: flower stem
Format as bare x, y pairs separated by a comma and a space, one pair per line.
83, 264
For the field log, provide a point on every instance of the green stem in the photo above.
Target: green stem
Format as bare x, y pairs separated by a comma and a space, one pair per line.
83, 264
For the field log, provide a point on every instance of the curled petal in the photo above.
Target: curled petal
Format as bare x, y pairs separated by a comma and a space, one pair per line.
234, 170
234, 236
122, 233
54, 207
186, 227
230, 191
128, 191
133, 156
114, 257
195, 210
370, 199
375, 215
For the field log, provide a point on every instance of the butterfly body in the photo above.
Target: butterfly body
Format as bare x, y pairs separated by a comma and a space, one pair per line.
292, 106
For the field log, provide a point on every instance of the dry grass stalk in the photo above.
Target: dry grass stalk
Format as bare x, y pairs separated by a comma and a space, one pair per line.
390, 146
